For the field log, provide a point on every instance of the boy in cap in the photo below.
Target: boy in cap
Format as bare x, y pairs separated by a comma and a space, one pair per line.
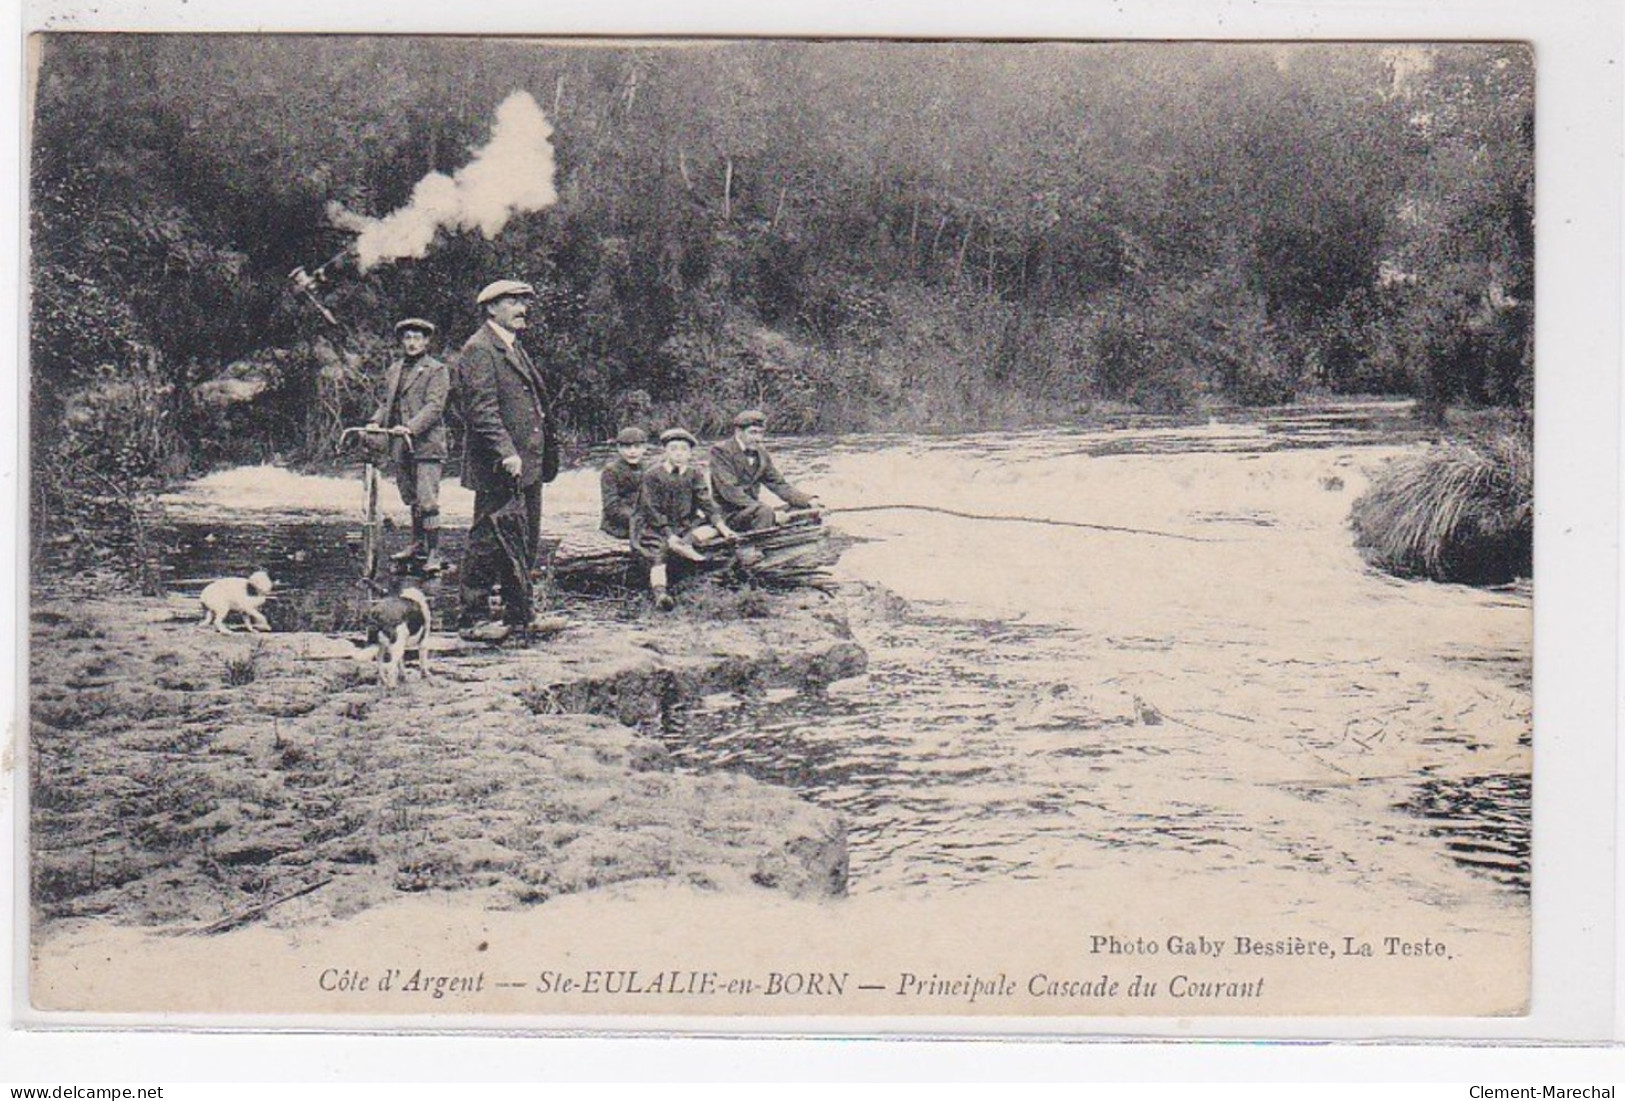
509, 451
413, 409
741, 466
674, 512
619, 482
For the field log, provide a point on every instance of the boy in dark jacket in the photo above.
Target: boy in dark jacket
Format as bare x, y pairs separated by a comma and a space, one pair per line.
675, 512
619, 482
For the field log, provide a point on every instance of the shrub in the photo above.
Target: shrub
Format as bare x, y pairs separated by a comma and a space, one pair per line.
243, 670
712, 598
733, 363
958, 359
96, 472
1463, 511
1189, 337
83, 625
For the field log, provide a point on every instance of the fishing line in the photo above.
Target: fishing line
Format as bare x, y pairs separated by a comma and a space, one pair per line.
1044, 520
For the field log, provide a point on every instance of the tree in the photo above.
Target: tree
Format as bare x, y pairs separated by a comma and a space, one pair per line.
1463, 234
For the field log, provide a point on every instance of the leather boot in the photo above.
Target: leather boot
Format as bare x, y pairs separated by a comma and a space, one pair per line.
415, 547
432, 562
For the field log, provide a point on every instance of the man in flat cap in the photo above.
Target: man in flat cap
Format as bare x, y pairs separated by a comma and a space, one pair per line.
509, 451
675, 513
741, 467
413, 409
619, 482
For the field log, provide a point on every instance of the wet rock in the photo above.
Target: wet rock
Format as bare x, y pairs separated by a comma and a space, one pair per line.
811, 861
524, 774
254, 850
640, 688
224, 392
289, 701
836, 662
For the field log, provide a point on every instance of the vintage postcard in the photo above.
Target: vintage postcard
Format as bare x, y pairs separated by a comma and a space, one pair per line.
954, 535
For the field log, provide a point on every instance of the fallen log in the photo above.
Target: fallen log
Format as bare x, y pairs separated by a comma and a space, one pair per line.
795, 554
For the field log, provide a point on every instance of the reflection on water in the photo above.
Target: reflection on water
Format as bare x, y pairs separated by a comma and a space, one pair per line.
1483, 821
925, 758
955, 762
316, 566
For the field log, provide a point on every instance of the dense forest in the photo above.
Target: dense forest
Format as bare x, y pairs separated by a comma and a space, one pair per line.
859, 235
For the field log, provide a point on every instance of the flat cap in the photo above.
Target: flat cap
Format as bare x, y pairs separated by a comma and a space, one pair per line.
750, 417
410, 324
504, 288
627, 436
671, 434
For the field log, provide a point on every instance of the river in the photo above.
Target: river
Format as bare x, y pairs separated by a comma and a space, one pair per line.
1223, 691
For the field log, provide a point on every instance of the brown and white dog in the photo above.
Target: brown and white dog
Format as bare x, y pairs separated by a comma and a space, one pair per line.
395, 624
242, 595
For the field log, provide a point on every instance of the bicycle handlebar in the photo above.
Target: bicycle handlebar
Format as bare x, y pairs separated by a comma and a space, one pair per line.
374, 430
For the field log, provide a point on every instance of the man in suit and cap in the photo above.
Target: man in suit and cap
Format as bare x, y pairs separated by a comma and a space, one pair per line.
509, 451
413, 409
741, 467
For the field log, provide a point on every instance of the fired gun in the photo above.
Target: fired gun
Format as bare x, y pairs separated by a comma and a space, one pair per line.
306, 282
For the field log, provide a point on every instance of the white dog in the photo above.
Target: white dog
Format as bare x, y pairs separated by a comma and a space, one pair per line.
396, 624
242, 595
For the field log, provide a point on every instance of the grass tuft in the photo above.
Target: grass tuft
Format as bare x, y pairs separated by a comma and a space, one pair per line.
1461, 512
243, 670
83, 625
712, 598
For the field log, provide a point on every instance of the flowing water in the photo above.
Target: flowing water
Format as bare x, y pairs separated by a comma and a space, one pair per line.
1223, 688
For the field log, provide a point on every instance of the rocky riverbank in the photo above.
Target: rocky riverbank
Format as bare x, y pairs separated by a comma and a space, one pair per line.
185, 779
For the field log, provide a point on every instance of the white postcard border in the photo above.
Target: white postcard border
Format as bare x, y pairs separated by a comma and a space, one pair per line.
1578, 401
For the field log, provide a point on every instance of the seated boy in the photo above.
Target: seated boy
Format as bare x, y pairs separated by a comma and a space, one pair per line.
620, 481
674, 513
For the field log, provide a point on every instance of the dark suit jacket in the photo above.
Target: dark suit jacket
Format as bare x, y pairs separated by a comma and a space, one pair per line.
418, 402
670, 504
737, 480
618, 486
506, 411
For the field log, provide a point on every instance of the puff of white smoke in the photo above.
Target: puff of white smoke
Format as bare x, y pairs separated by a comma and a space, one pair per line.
345, 218
511, 174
